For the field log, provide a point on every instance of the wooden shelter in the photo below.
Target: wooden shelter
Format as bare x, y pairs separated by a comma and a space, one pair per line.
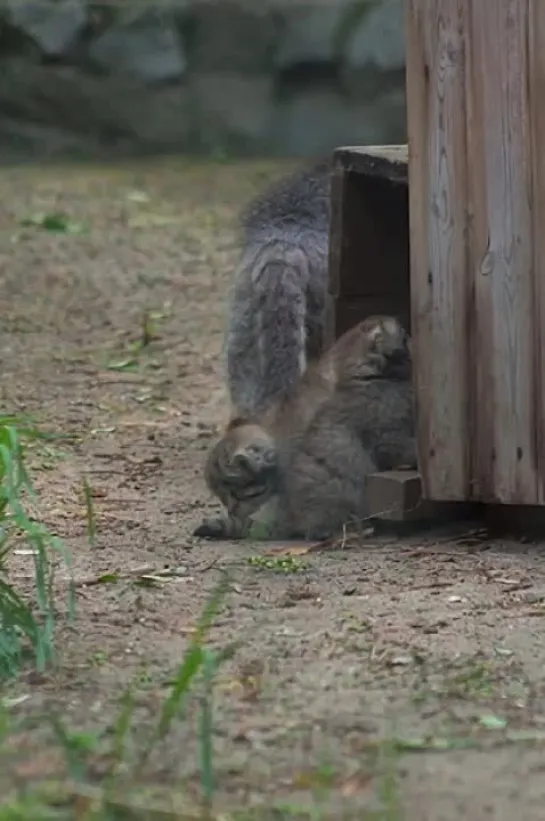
475, 204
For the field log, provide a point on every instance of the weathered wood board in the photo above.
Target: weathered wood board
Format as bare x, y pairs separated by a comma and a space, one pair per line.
475, 84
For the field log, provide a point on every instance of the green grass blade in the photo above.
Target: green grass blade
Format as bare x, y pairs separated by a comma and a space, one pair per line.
20, 626
189, 668
90, 511
206, 728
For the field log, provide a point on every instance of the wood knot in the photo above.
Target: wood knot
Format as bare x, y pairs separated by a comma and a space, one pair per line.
487, 264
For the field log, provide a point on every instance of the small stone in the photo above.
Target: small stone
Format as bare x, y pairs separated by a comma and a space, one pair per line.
400, 661
503, 652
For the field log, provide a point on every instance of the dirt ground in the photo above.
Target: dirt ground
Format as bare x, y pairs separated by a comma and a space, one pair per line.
395, 678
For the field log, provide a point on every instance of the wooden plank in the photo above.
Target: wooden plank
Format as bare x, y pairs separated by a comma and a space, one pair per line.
436, 34
536, 92
396, 496
389, 162
499, 136
369, 236
481, 399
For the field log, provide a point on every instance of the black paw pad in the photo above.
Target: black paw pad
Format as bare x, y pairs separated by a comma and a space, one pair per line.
211, 529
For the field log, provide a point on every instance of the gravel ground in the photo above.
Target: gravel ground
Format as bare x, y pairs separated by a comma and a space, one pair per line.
389, 679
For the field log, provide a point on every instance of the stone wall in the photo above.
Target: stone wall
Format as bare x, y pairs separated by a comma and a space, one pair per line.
223, 76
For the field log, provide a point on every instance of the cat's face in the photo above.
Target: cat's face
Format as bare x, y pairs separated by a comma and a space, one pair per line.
242, 469
377, 347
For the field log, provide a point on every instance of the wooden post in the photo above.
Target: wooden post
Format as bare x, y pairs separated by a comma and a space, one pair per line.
475, 86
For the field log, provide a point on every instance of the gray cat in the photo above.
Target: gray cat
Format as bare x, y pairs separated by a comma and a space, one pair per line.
277, 309
351, 415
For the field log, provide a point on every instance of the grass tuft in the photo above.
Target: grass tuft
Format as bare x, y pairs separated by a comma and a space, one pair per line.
25, 627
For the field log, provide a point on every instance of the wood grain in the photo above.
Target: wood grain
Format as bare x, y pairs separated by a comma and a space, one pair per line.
438, 187
476, 86
502, 255
536, 97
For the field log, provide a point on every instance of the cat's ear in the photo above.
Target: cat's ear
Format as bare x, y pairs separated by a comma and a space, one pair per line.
254, 458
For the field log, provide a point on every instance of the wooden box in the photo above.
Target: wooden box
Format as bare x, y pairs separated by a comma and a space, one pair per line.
369, 236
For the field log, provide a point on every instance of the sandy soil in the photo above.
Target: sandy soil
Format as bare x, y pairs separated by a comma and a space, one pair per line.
397, 678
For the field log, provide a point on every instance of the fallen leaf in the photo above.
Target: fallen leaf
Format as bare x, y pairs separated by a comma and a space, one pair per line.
503, 651
493, 722
130, 364
435, 743
106, 578
138, 196
13, 701
400, 661
289, 550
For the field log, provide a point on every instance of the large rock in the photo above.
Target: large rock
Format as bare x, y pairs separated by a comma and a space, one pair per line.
20, 140
378, 39
310, 34
232, 107
214, 75
316, 121
145, 44
118, 113
54, 27
232, 36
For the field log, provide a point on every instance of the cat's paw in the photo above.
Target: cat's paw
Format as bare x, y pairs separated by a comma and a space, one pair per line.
212, 529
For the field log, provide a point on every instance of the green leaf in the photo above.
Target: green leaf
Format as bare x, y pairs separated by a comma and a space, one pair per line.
56, 223
107, 578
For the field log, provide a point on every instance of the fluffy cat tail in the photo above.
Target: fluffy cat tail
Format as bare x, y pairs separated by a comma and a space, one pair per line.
279, 283
266, 342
